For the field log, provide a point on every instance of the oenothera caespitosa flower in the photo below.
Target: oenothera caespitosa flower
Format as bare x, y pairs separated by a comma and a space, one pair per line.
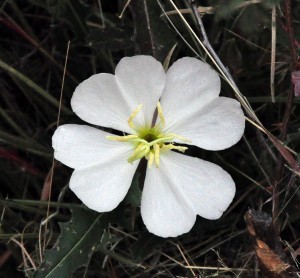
160, 115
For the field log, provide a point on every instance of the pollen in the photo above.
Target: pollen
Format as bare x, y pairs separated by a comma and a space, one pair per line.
150, 142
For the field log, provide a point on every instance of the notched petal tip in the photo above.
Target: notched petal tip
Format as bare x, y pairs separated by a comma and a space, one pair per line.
141, 79
102, 187
190, 85
58, 139
167, 232
170, 202
98, 100
217, 126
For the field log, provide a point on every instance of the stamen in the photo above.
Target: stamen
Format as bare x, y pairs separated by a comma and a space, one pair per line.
156, 154
181, 138
150, 159
169, 147
125, 138
162, 140
140, 151
149, 142
160, 114
133, 115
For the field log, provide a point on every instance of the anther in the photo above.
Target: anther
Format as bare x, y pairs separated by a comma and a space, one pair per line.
160, 114
150, 159
156, 154
126, 138
140, 151
181, 138
168, 147
133, 115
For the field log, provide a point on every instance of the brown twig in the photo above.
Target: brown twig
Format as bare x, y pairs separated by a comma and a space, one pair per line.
207, 44
285, 152
48, 188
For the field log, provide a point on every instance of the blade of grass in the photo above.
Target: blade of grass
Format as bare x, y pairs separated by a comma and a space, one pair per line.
269, 99
43, 203
28, 145
9, 22
24, 236
12, 123
22, 19
39, 90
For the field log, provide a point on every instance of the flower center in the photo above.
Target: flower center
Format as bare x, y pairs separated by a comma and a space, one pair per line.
150, 142
149, 137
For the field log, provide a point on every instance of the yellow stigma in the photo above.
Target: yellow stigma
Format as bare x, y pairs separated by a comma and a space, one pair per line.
150, 142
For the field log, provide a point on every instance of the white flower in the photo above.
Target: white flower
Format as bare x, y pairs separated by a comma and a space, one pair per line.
177, 187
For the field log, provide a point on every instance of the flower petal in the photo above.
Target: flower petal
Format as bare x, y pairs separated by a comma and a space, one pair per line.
98, 100
81, 146
109, 100
102, 187
190, 85
179, 189
141, 79
102, 174
217, 126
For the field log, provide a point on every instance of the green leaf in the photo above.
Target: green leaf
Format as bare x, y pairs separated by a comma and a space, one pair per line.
35, 87
78, 239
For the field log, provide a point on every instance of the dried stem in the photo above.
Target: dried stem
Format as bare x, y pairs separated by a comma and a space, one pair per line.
284, 154
286, 116
293, 53
207, 44
273, 54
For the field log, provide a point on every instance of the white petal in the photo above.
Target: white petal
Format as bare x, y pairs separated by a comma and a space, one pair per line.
142, 79
164, 211
98, 100
102, 174
179, 189
80, 146
102, 187
217, 126
190, 85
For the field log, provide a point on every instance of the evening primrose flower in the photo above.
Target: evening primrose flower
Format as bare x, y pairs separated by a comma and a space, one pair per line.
159, 114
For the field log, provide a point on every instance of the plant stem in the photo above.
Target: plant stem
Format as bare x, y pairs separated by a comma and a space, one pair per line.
286, 116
